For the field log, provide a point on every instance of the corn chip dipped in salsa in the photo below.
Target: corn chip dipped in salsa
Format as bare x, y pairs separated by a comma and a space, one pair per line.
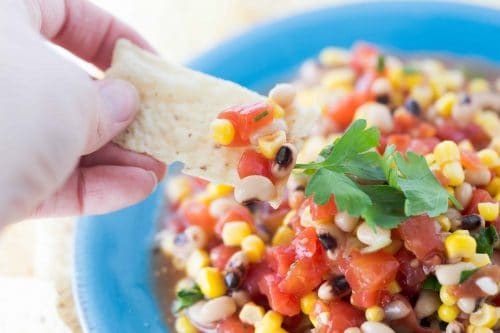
391, 214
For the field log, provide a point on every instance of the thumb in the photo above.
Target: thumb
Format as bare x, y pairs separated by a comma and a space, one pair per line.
118, 102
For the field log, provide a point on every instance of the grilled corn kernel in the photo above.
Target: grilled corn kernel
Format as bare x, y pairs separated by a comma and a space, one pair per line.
394, 287
445, 104
486, 316
271, 322
270, 144
488, 157
478, 85
307, 302
488, 210
446, 151
251, 313
196, 261
460, 245
448, 313
480, 260
454, 172
233, 233
218, 190
222, 131
332, 56
444, 222
493, 187
211, 282
446, 297
183, 325
374, 313
283, 236
254, 247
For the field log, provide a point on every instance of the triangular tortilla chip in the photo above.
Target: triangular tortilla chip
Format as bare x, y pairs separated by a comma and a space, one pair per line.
177, 107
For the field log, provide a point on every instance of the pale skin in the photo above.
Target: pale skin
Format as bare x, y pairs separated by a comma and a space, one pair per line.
56, 122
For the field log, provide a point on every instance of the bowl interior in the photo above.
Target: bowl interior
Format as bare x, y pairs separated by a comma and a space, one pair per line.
113, 282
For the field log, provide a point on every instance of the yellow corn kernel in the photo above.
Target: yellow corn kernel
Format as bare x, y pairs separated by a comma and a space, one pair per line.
233, 233
271, 322
446, 151
338, 78
222, 131
448, 313
283, 236
423, 95
454, 172
479, 329
270, 144
218, 190
480, 260
465, 145
211, 282
278, 111
331, 57
288, 217
394, 287
411, 80
488, 210
488, 121
178, 189
374, 313
395, 76
307, 302
254, 247
183, 325
486, 316
444, 222
251, 313
478, 85
196, 261
497, 197
450, 190
430, 159
446, 297
495, 144
493, 187
460, 244
445, 104
488, 157
394, 247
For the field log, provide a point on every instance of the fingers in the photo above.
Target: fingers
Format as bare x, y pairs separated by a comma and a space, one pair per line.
99, 190
82, 28
111, 154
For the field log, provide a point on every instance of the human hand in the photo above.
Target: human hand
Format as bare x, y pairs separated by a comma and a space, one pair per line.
56, 123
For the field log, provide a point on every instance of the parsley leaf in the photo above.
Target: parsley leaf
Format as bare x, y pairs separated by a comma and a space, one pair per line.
187, 297
486, 239
431, 283
464, 275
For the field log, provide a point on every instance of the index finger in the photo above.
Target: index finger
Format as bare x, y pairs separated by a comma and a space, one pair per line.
83, 28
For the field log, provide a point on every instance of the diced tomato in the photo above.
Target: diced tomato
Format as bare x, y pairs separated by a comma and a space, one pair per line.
197, 213
451, 130
371, 271
236, 213
280, 258
306, 243
422, 236
479, 195
424, 130
469, 288
477, 136
423, 146
253, 163
233, 325
247, 119
219, 255
470, 160
303, 276
363, 56
255, 274
404, 122
342, 111
366, 298
319, 212
401, 141
342, 315
411, 274
279, 301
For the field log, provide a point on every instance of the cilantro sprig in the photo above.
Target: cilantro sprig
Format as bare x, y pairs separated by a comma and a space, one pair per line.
404, 186
486, 239
187, 297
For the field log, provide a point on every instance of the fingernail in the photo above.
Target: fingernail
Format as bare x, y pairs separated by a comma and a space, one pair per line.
120, 97
155, 180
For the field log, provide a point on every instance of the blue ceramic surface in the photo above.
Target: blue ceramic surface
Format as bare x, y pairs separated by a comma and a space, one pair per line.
113, 281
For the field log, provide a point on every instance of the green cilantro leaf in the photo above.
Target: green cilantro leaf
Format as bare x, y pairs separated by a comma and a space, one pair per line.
187, 297
424, 194
260, 116
348, 196
464, 275
387, 210
486, 239
380, 63
408, 70
431, 283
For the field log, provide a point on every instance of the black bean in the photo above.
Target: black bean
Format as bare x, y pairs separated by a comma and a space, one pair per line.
465, 99
340, 286
471, 222
232, 280
425, 322
284, 156
413, 107
383, 99
327, 240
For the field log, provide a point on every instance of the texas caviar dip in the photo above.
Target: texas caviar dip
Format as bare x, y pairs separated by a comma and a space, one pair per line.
391, 217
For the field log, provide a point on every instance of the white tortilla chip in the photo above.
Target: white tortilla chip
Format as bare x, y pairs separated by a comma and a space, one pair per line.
177, 107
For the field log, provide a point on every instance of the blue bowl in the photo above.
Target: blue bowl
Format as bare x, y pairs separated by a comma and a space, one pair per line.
113, 280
